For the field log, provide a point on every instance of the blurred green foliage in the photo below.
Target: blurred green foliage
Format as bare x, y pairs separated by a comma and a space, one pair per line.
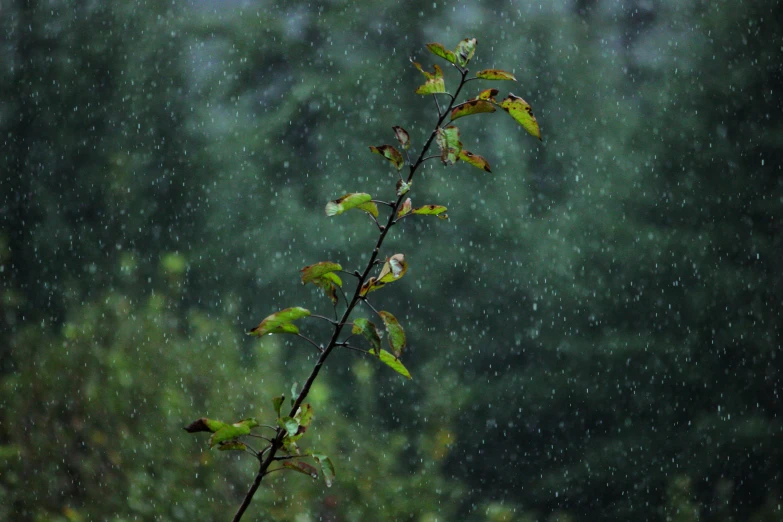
594, 334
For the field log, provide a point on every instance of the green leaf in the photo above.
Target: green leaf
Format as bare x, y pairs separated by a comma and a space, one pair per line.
441, 51
402, 136
487, 94
289, 424
280, 322
369, 331
395, 331
471, 107
327, 468
391, 154
312, 272
495, 74
229, 432
392, 362
474, 159
431, 210
434, 83
405, 208
293, 395
205, 424
277, 403
450, 146
347, 202
232, 445
521, 111
465, 50
301, 467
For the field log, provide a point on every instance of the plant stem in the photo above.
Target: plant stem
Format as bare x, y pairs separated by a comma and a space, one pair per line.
268, 457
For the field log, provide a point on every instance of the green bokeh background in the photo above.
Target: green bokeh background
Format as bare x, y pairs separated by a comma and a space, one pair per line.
594, 334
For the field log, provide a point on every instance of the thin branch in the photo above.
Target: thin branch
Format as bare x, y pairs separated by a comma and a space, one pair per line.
321, 350
367, 302
354, 348
330, 321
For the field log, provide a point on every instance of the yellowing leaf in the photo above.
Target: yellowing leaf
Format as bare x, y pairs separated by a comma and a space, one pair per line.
471, 107
441, 51
434, 83
521, 111
431, 210
347, 202
205, 424
474, 159
280, 322
495, 74
394, 268
465, 50
391, 154
312, 272
488, 94
403, 187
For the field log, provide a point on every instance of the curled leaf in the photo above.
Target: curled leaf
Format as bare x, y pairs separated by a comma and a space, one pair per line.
346, 202
402, 136
232, 431
405, 208
448, 141
301, 467
369, 331
390, 153
403, 187
488, 94
521, 111
394, 363
395, 331
312, 272
465, 50
474, 159
495, 74
205, 424
327, 468
280, 322
394, 268
441, 51
434, 84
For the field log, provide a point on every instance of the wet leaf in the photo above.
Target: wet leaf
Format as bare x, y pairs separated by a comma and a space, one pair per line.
312, 272
280, 322
391, 154
232, 431
431, 210
471, 107
369, 331
474, 159
289, 424
521, 111
434, 83
450, 146
392, 362
441, 51
495, 74
327, 468
465, 50
277, 403
346, 202
405, 208
369, 207
204, 424
395, 331
301, 467
402, 136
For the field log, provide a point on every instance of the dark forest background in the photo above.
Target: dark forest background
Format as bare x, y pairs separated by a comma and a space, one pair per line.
595, 334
